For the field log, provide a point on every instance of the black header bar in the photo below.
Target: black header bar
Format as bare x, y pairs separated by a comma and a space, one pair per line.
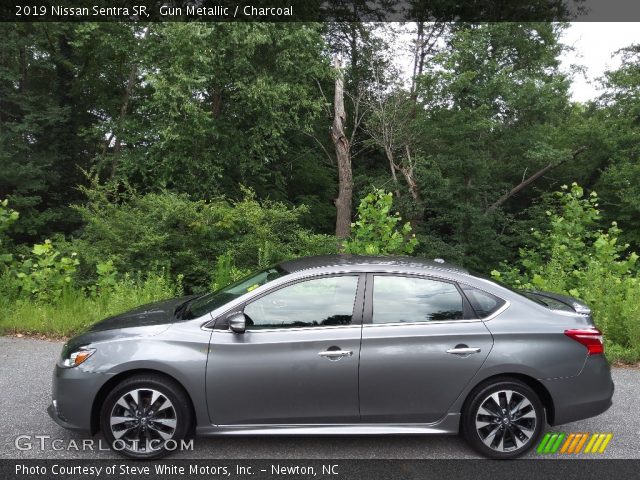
320, 10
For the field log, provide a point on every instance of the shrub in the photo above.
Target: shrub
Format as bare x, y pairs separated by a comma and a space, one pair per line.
576, 257
46, 274
187, 237
377, 231
226, 272
38, 292
8, 216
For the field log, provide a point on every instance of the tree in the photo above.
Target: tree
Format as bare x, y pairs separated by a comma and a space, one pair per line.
343, 157
58, 82
390, 126
363, 47
619, 122
8, 216
492, 108
223, 105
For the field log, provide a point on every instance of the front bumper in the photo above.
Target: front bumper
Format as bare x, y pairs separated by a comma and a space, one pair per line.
586, 395
55, 415
73, 393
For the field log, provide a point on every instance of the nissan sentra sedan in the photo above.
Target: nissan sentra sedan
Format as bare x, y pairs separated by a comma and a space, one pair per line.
338, 345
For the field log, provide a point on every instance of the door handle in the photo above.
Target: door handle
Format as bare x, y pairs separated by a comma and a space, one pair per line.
463, 350
335, 354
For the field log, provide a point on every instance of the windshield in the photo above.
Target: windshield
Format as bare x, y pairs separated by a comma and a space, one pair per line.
211, 301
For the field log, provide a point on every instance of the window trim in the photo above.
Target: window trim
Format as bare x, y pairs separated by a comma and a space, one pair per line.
221, 323
506, 305
468, 314
495, 313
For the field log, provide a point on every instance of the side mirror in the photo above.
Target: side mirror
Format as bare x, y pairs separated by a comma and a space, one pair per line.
237, 322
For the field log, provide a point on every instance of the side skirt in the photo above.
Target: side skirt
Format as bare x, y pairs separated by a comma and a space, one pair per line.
448, 425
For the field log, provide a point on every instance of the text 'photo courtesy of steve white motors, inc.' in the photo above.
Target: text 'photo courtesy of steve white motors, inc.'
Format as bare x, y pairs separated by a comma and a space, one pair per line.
242, 470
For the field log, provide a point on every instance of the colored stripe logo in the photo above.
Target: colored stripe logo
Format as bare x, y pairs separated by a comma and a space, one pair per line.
574, 443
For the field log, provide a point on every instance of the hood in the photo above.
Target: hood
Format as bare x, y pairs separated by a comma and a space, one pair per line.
158, 313
146, 320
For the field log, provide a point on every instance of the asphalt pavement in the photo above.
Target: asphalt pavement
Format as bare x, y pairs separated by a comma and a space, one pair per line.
25, 392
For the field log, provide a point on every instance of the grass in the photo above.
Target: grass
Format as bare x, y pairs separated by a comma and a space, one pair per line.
619, 354
75, 309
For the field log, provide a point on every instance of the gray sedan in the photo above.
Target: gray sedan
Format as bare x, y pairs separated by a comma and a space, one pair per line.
338, 345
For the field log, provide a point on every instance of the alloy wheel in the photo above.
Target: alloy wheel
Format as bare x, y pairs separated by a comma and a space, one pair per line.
142, 420
506, 421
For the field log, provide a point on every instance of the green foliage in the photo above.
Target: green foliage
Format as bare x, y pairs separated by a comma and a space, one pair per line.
74, 310
39, 292
377, 231
173, 120
574, 256
57, 82
493, 110
8, 216
197, 108
170, 231
226, 272
107, 278
620, 162
45, 275
221, 105
262, 233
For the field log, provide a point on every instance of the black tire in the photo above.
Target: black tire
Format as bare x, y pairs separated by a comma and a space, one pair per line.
172, 421
512, 423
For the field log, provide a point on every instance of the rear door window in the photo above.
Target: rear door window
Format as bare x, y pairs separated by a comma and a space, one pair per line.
399, 299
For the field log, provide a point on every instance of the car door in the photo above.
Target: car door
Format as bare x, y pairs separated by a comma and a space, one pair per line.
420, 348
297, 361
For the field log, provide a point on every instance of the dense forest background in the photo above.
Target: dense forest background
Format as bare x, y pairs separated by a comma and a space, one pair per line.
201, 151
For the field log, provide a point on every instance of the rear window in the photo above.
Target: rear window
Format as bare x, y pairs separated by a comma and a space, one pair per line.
548, 302
484, 303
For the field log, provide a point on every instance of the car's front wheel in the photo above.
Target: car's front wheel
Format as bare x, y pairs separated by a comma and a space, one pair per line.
145, 416
503, 419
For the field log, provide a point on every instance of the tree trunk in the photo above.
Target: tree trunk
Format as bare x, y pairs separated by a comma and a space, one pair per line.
124, 106
343, 157
392, 164
407, 171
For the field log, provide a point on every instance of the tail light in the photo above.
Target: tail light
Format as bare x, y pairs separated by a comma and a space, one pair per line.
589, 337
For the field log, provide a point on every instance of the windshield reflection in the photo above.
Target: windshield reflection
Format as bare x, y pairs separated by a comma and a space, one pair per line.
211, 301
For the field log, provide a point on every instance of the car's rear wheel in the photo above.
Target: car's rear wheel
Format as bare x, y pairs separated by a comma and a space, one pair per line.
503, 419
145, 416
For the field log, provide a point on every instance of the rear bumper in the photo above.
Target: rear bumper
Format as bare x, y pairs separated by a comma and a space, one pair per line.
586, 395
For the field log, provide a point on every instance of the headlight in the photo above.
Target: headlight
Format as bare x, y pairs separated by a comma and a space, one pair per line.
73, 358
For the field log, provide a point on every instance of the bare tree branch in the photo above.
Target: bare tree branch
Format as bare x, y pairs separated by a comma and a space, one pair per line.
525, 183
324, 149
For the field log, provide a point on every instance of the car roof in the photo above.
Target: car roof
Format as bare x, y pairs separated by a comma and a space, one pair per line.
346, 260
